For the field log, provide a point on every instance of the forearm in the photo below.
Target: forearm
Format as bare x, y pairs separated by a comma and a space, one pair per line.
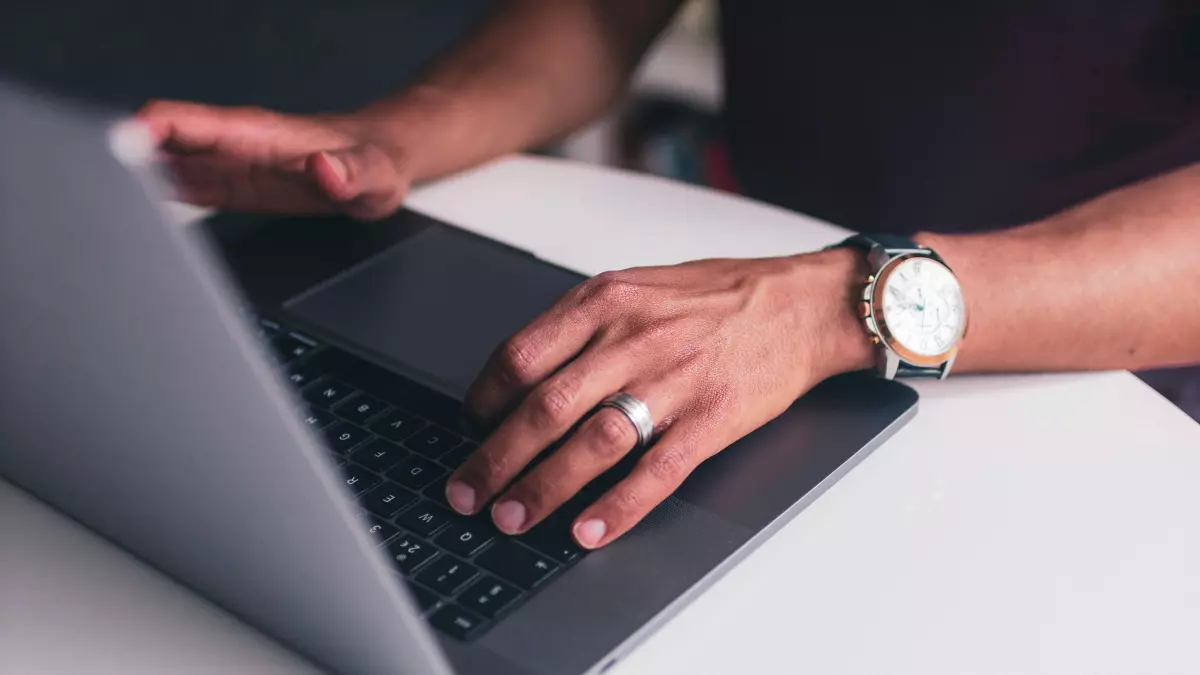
1112, 283
537, 70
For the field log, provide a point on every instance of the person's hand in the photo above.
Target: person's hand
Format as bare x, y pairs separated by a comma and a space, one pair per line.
714, 348
249, 159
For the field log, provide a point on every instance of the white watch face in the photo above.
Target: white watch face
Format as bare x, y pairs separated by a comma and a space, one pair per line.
923, 306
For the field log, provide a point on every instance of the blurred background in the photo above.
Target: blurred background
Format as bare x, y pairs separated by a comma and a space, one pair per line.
318, 56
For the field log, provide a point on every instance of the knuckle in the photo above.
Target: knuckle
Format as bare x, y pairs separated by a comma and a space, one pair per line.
517, 360
613, 433
553, 403
628, 501
669, 466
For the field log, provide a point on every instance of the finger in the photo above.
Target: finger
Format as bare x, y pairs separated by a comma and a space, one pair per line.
533, 353
246, 133
598, 445
364, 179
659, 473
232, 184
546, 414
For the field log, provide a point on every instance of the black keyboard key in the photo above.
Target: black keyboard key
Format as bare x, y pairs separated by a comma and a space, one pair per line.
447, 574
416, 472
409, 553
425, 598
269, 327
300, 376
379, 455
488, 596
456, 622
553, 537
457, 456
344, 437
517, 563
397, 425
360, 408
327, 393
467, 536
432, 441
387, 499
424, 519
381, 530
289, 348
317, 419
436, 492
358, 480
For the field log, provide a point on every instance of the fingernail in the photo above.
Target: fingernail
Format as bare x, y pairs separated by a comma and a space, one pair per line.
461, 496
338, 166
590, 532
509, 516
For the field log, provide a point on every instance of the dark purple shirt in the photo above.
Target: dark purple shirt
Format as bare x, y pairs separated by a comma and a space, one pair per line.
951, 115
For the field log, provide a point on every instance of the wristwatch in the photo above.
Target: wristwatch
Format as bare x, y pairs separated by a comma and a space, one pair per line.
912, 306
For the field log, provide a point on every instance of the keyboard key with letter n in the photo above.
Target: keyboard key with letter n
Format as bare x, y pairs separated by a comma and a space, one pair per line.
517, 563
327, 393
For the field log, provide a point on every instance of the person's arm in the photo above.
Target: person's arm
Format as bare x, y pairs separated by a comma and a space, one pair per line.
717, 348
1111, 283
536, 71
533, 72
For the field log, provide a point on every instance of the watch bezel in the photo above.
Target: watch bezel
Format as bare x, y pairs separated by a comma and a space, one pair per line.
889, 341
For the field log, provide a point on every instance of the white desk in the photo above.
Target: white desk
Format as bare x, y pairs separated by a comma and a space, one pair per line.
1035, 524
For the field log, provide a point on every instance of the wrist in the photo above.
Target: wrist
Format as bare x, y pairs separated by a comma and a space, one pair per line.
839, 342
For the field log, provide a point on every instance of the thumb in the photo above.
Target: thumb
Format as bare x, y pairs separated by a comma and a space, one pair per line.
363, 180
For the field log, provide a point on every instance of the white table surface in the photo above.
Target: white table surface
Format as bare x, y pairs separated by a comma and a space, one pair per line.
1020, 524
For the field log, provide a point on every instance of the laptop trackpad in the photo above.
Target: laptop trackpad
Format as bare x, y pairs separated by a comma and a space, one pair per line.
437, 303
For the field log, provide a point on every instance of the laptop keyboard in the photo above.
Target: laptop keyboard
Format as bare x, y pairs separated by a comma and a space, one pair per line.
463, 573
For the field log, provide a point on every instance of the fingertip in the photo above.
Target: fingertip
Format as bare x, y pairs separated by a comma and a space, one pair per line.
332, 175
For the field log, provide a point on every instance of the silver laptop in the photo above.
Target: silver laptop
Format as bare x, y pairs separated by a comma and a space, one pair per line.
266, 410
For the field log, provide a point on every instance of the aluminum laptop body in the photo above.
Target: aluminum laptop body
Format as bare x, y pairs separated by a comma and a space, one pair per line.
139, 401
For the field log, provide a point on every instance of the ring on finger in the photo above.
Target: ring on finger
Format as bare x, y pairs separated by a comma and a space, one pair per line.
637, 412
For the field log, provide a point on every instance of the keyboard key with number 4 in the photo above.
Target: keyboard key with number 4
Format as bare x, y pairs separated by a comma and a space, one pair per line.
447, 574
388, 499
432, 442
488, 596
456, 622
409, 553
517, 563
360, 408
397, 425
424, 519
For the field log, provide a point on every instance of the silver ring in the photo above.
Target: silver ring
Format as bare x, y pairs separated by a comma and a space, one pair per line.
636, 412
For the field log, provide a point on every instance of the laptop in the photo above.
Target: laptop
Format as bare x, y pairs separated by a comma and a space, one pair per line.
266, 410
